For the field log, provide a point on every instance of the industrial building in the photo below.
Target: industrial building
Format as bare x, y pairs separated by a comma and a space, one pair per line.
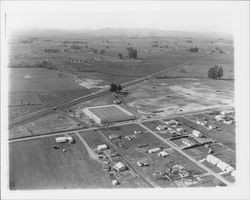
108, 114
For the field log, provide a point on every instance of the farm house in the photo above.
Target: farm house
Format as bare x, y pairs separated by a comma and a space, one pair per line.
108, 114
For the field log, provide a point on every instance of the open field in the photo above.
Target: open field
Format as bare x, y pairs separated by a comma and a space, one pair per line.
47, 168
50, 123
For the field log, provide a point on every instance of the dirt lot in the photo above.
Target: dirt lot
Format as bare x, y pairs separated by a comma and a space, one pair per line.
175, 96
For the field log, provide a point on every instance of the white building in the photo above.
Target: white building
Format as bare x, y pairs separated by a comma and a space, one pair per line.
102, 147
155, 150
219, 117
187, 142
172, 122
233, 173
222, 165
212, 159
229, 169
180, 130
226, 112
119, 166
161, 127
163, 154
197, 133
64, 139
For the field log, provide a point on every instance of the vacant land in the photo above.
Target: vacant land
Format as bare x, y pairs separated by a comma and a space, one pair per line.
35, 164
50, 123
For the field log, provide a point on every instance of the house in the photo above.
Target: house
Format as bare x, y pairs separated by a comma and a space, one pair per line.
115, 182
187, 142
229, 169
228, 122
219, 117
161, 127
197, 133
114, 136
163, 154
233, 173
138, 132
180, 130
210, 127
155, 150
102, 147
212, 159
130, 137
183, 173
120, 166
172, 122
226, 112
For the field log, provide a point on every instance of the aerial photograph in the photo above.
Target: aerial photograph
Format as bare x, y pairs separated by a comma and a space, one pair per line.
103, 97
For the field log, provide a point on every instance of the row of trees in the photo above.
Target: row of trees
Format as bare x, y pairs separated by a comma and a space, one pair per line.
215, 72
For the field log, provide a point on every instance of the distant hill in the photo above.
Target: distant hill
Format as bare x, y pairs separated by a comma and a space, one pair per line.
130, 32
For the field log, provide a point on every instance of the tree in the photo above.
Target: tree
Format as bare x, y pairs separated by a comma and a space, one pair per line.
113, 87
215, 72
120, 55
119, 87
132, 53
194, 49
220, 72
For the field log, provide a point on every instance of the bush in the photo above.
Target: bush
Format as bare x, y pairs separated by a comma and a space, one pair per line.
215, 72
132, 53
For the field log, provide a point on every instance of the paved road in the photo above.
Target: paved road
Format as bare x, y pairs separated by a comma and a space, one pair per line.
187, 156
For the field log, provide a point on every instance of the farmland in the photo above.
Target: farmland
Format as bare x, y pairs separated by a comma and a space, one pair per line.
177, 121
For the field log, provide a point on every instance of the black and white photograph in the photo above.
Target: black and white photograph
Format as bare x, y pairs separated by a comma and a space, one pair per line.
125, 99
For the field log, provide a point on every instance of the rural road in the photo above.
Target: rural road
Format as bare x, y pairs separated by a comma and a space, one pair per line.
187, 156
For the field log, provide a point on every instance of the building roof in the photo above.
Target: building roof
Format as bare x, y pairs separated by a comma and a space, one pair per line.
111, 113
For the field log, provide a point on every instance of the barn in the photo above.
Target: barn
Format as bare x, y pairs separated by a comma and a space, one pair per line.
108, 114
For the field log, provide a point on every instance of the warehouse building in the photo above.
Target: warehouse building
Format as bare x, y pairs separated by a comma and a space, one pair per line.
108, 114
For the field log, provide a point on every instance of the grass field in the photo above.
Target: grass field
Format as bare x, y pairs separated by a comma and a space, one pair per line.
50, 123
45, 167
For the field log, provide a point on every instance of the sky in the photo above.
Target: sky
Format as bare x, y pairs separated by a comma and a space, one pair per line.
165, 15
